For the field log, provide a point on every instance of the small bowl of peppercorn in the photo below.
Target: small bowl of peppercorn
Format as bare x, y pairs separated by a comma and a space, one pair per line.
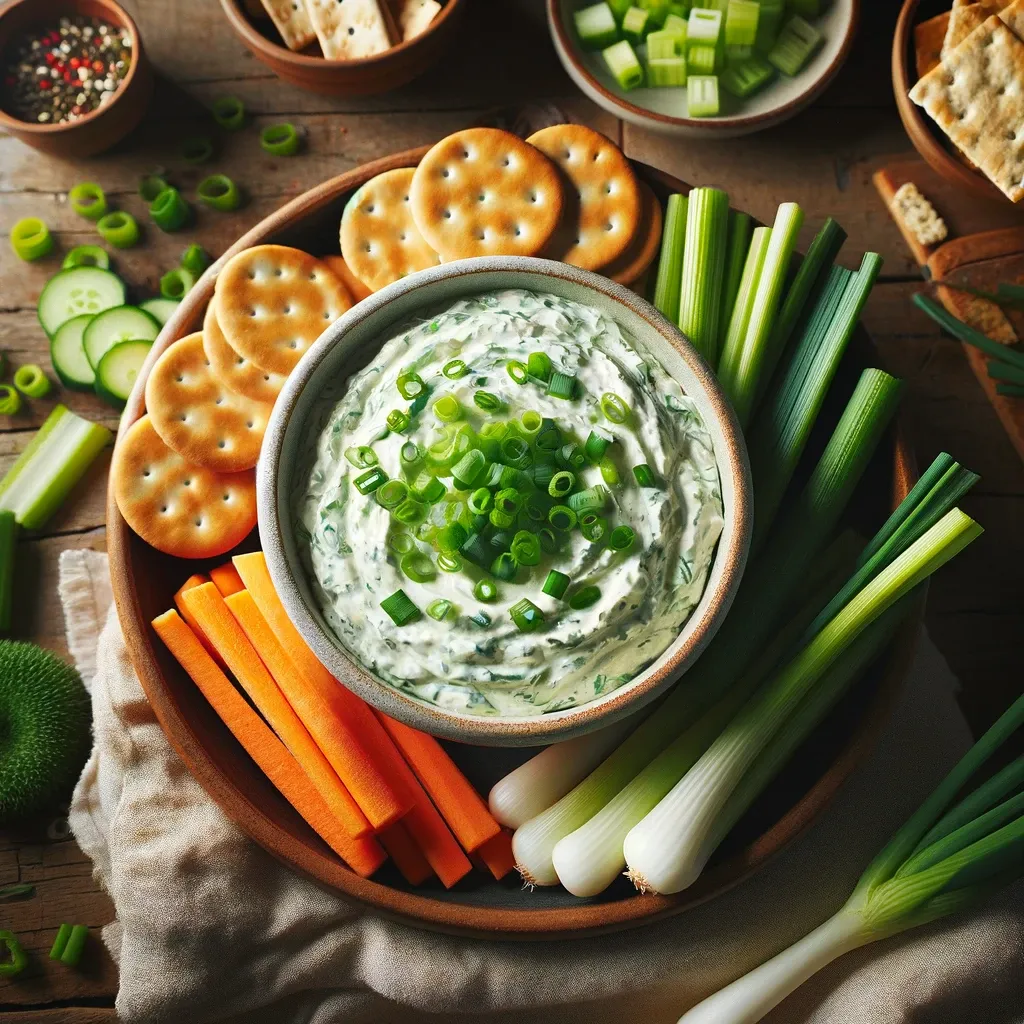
74, 79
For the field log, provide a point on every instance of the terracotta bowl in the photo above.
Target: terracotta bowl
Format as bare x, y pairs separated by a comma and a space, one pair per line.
352, 341
927, 138
105, 126
389, 70
665, 110
144, 582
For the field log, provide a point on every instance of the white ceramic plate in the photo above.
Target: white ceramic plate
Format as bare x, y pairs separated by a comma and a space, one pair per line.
665, 111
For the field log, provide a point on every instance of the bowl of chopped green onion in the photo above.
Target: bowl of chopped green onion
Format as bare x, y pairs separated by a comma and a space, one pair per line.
505, 500
715, 68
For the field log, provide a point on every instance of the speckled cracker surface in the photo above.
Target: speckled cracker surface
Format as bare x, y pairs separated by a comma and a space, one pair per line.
273, 302
234, 370
485, 192
976, 96
1013, 17
292, 20
963, 20
414, 16
643, 249
349, 29
184, 510
343, 272
380, 241
912, 207
603, 207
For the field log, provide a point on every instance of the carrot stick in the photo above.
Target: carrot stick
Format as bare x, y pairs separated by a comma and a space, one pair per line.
337, 709
459, 803
225, 577
364, 856
405, 853
196, 580
333, 740
220, 626
497, 854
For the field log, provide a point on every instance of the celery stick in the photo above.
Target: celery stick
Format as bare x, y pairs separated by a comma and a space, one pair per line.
623, 65
702, 95
739, 316
665, 73
54, 461
634, 25
797, 43
707, 230
676, 24
740, 228
701, 60
741, 22
769, 22
664, 46
670, 265
742, 368
657, 12
8, 538
746, 77
704, 27
596, 26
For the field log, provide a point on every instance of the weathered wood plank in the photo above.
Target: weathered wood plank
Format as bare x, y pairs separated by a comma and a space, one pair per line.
62, 1015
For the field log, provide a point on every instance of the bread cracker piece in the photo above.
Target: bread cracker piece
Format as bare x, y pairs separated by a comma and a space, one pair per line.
413, 17
350, 29
485, 192
380, 241
1013, 16
343, 272
928, 39
603, 203
975, 96
910, 206
196, 415
233, 370
273, 302
183, 510
292, 20
643, 249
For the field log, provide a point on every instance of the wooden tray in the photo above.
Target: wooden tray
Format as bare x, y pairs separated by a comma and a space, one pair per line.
144, 582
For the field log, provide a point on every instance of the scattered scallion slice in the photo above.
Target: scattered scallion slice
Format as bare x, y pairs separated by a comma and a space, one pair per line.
593, 527
398, 421
454, 369
538, 365
561, 517
614, 408
526, 615
621, 538
401, 543
449, 563
561, 484
197, 149
280, 139
525, 548
176, 283
228, 112
556, 584
609, 471
666, 72
119, 229
448, 409
370, 480
585, 597
517, 371
10, 400
195, 259
86, 256
391, 494
469, 469
31, 381
592, 499
486, 591
418, 567
362, 457
410, 512
31, 239
440, 609
561, 385
487, 401
219, 192
505, 566
596, 445
400, 608
88, 200
701, 61
745, 77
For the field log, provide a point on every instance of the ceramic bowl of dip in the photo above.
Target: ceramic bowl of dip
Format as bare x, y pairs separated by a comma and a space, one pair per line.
288, 463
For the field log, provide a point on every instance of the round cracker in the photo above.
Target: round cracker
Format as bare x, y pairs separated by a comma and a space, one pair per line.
603, 205
274, 302
195, 414
485, 192
233, 370
380, 242
343, 272
641, 252
184, 510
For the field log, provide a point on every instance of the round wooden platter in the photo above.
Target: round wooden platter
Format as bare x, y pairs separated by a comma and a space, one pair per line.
145, 580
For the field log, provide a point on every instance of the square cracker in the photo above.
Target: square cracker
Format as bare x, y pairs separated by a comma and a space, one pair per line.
413, 16
349, 29
963, 20
1013, 16
976, 96
292, 20
928, 39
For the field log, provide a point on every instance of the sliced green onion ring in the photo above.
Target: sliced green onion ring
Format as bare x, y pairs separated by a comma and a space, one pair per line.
196, 259
86, 256
556, 584
505, 566
539, 365
644, 475
448, 409
593, 527
485, 590
609, 471
549, 437
561, 517
219, 192
398, 421
562, 385
418, 567
530, 423
151, 185
31, 239
517, 371
400, 608
10, 401
480, 501
401, 543
391, 494
362, 457
614, 408
410, 455
410, 512
169, 210
590, 500
595, 447
526, 548
176, 283
487, 401
454, 369
228, 112
88, 200
370, 480
449, 563
621, 538
561, 484
119, 229
515, 452
548, 540
31, 381
439, 609
526, 615
280, 139
410, 385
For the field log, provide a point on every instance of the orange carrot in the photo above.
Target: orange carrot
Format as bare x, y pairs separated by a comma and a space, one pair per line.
347, 759
405, 853
226, 579
339, 712
197, 580
497, 854
364, 856
459, 803
226, 635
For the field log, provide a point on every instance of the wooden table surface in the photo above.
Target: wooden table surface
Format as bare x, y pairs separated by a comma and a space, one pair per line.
822, 159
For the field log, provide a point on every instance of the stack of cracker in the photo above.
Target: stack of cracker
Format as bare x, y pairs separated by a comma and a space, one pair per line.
347, 29
975, 92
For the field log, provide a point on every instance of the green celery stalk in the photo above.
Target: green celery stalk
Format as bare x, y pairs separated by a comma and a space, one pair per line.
707, 228
702, 98
8, 540
740, 229
769, 23
663, 74
670, 264
743, 303
623, 64
54, 461
619, 8
596, 27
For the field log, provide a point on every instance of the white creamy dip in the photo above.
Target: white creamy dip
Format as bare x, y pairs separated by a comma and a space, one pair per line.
646, 593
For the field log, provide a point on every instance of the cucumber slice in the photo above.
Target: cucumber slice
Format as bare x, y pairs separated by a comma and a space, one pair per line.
67, 354
118, 370
123, 323
162, 309
77, 291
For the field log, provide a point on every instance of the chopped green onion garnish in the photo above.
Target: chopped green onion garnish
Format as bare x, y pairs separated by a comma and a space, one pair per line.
502, 520
585, 597
561, 484
398, 421
534, 510
590, 500
571, 456
468, 470
505, 566
485, 590
480, 501
526, 548
746, 77
549, 541
426, 532
487, 401
370, 480
549, 437
86, 256
621, 538
280, 139
451, 538
410, 512
609, 471
120, 229
219, 192
410, 385
88, 200
526, 615
428, 488
449, 563
500, 540
418, 567
561, 517
447, 409
10, 400
400, 608
228, 112
614, 408
476, 550
596, 446
539, 365
176, 283
196, 149
543, 474
509, 500
31, 381
391, 494
410, 455
481, 619
169, 210
517, 371
644, 475
196, 259
401, 543
454, 369
439, 609
556, 584
593, 527
561, 385
530, 423
515, 452
512, 477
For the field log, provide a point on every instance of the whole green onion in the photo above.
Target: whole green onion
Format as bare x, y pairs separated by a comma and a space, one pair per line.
400, 608
539, 365
169, 210
362, 457
585, 597
556, 584
485, 590
526, 548
280, 139
410, 384
219, 192
120, 229
391, 494
526, 615
561, 517
561, 484
228, 112
88, 200
370, 480
505, 566
418, 567
454, 369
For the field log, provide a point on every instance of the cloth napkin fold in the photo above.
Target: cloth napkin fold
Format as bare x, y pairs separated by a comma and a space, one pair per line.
211, 928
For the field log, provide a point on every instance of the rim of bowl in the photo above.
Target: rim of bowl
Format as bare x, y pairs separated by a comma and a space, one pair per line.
728, 563
923, 137
241, 24
127, 22
563, 46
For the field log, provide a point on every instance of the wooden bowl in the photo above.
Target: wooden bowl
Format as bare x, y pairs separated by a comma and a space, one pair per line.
368, 75
144, 582
106, 125
665, 110
927, 138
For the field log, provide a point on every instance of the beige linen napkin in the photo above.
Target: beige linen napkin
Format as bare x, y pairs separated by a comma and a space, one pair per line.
211, 928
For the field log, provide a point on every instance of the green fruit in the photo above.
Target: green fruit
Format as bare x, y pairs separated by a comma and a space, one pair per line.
44, 729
